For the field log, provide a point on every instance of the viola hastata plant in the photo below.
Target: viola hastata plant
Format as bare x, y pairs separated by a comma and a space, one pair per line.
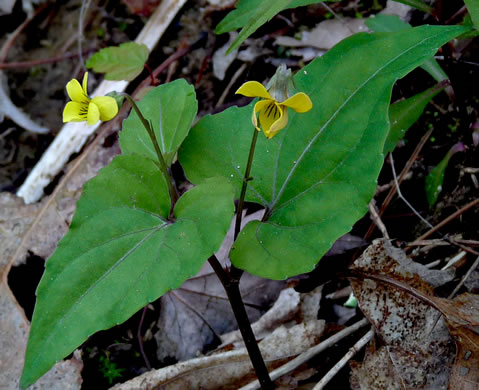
134, 236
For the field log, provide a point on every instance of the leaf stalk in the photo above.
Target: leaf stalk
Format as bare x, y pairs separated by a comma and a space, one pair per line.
162, 164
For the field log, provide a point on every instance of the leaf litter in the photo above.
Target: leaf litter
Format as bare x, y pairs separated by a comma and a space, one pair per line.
417, 345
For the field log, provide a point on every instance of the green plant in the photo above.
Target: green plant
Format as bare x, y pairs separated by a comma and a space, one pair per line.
109, 369
134, 237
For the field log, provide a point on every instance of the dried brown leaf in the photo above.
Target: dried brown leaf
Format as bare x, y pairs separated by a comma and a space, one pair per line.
418, 350
193, 315
462, 319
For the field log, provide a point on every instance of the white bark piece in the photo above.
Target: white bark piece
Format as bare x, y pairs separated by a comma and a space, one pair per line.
8, 109
73, 135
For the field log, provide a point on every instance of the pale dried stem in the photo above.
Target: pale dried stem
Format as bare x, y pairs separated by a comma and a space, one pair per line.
377, 219
346, 358
309, 354
235, 77
400, 195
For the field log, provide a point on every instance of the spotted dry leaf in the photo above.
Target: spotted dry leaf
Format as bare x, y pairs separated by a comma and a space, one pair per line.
419, 352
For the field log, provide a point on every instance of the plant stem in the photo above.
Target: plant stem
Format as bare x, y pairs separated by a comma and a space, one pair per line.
239, 212
231, 280
236, 273
162, 164
231, 286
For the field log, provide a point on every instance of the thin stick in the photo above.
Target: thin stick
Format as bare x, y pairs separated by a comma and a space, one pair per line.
402, 175
377, 219
464, 278
309, 354
233, 80
29, 64
400, 195
456, 289
355, 349
140, 339
446, 221
15, 34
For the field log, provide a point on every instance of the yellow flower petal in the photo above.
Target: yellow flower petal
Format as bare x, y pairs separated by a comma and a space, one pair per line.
280, 124
93, 114
76, 92
299, 102
85, 83
254, 89
268, 115
75, 112
257, 108
107, 107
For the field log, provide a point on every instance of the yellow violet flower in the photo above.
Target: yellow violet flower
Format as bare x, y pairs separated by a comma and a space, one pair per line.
82, 108
273, 108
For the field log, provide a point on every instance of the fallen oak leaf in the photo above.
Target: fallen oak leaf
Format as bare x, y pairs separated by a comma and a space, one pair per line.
462, 319
393, 294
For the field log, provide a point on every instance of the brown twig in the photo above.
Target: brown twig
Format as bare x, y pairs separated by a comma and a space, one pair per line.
13, 36
446, 221
204, 65
460, 12
163, 66
464, 278
401, 177
29, 64
153, 81
140, 339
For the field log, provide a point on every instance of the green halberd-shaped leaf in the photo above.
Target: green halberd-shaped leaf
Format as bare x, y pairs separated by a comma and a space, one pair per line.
392, 23
252, 14
245, 10
318, 175
123, 62
171, 109
121, 253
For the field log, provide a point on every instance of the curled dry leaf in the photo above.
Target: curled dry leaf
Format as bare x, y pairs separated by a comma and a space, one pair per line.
462, 319
326, 34
418, 351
